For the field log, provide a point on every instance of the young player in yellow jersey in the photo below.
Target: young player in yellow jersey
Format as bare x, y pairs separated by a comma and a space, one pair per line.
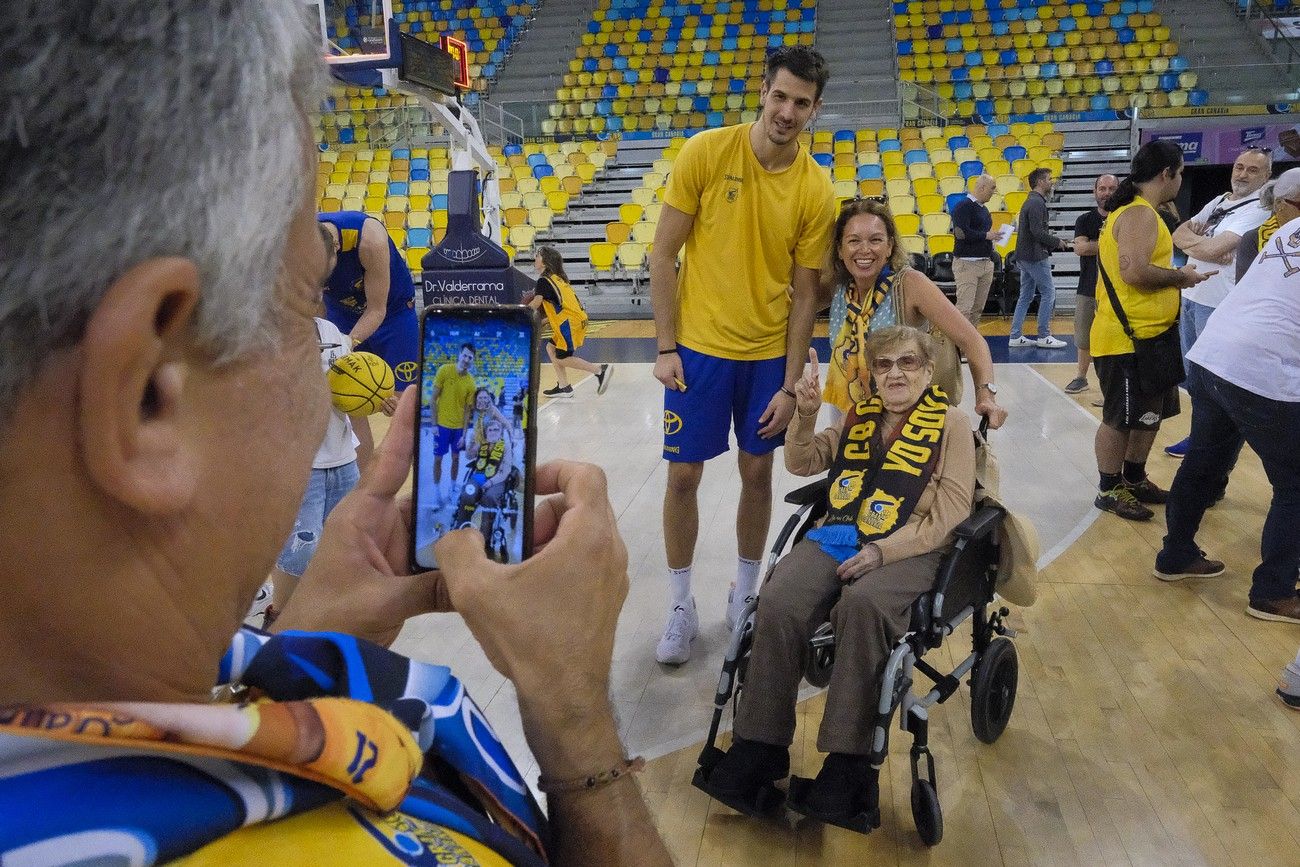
754, 214
568, 321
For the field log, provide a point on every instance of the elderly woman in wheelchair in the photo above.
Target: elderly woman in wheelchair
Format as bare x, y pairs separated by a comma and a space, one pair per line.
901, 480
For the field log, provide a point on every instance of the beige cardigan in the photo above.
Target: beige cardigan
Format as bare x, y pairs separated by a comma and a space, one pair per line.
947, 500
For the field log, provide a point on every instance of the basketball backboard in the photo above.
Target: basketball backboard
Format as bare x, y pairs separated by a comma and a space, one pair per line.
356, 33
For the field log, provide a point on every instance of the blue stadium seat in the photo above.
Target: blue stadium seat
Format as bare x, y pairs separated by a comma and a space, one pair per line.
419, 238
1014, 152
824, 160
870, 173
971, 168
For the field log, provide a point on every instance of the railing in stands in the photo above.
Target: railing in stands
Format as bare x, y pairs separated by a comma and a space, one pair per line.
1274, 32
498, 125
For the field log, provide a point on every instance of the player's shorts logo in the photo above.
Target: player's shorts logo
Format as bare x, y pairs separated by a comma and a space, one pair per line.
672, 423
406, 371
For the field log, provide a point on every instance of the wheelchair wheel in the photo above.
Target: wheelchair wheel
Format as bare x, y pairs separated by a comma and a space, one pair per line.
926, 812
821, 657
993, 690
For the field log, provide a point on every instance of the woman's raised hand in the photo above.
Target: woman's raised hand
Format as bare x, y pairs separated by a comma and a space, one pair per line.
808, 390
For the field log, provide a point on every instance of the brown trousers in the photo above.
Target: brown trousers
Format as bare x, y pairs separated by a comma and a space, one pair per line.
869, 615
973, 279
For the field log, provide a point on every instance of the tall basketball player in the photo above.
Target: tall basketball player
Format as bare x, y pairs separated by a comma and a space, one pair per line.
754, 212
370, 296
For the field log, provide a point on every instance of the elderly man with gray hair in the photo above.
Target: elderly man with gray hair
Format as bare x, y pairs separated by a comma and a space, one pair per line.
161, 399
972, 260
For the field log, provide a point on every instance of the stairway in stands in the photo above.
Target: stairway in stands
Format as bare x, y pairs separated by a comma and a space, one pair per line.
857, 39
526, 84
1230, 59
621, 296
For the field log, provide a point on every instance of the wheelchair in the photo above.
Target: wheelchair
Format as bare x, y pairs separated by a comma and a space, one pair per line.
497, 523
963, 589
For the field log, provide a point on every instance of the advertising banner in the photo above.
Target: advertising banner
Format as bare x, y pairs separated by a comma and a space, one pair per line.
1222, 145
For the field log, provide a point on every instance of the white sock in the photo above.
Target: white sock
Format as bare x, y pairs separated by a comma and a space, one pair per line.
746, 576
679, 581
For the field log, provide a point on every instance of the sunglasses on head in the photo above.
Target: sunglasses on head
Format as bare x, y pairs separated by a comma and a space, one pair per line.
860, 198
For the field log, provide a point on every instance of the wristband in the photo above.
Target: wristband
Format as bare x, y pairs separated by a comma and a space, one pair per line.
593, 781
787, 391
668, 352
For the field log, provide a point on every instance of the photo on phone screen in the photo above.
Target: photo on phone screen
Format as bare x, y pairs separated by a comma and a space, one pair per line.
475, 441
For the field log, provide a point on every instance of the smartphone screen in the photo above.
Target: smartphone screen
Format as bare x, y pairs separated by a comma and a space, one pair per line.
475, 440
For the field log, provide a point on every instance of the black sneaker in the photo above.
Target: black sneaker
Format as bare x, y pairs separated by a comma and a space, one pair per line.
602, 379
1289, 699
559, 391
1119, 500
1147, 491
1201, 567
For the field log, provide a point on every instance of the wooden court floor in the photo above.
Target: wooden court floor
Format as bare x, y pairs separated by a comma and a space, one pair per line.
1145, 730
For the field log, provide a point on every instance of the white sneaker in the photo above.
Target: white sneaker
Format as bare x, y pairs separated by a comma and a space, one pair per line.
736, 605
674, 647
1050, 342
1022, 341
260, 602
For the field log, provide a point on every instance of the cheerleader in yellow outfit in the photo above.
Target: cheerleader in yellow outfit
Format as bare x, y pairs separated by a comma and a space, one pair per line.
568, 322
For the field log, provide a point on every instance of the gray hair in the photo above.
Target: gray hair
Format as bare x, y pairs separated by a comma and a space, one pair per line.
1266, 196
131, 130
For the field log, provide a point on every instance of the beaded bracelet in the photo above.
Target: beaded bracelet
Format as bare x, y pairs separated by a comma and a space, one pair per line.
594, 781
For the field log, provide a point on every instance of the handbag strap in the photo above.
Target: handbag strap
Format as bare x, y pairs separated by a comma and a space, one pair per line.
1114, 301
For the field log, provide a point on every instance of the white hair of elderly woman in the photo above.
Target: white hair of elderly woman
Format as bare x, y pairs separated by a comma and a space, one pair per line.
132, 129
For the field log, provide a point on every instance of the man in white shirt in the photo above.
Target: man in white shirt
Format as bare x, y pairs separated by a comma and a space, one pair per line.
1210, 241
1244, 380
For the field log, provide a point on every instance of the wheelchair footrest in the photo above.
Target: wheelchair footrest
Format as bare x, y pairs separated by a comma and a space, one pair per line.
864, 821
767, 801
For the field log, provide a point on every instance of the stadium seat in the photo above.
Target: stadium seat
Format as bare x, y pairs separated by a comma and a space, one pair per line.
601, 257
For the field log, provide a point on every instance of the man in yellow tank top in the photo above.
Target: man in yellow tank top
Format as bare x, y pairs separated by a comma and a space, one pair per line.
753, 211
1134, 257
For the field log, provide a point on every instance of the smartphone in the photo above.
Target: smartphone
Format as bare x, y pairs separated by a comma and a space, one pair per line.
476, 431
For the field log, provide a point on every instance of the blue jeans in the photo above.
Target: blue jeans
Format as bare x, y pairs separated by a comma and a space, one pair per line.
1191, 322
1035, 277
1223, 417
323, 493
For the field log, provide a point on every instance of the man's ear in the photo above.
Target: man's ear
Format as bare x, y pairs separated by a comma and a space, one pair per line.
133, 376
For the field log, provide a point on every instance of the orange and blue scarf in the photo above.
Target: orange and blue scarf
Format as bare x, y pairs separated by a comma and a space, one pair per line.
352, 749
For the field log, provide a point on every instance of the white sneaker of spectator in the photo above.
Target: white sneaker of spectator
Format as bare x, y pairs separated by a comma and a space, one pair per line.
1049, 342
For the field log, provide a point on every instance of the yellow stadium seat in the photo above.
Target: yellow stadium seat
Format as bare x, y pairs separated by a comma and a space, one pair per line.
898, 187
558, 201
936, 224
643, 196
330, 203
932, 204
414, 255
535, 199
912, 243
394, 220
631, 256
652, 211
906, 223
1014, 199
618, 232
522, 237
548, 184
643, 232
936, 244
540, 218
924, 187
630, 212
512, 216
601, 256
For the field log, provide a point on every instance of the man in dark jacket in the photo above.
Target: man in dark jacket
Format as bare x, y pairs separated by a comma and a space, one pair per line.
972, 260
1035, 245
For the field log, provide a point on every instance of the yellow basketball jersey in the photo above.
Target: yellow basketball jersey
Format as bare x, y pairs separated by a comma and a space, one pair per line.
751, 228
1149, 311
